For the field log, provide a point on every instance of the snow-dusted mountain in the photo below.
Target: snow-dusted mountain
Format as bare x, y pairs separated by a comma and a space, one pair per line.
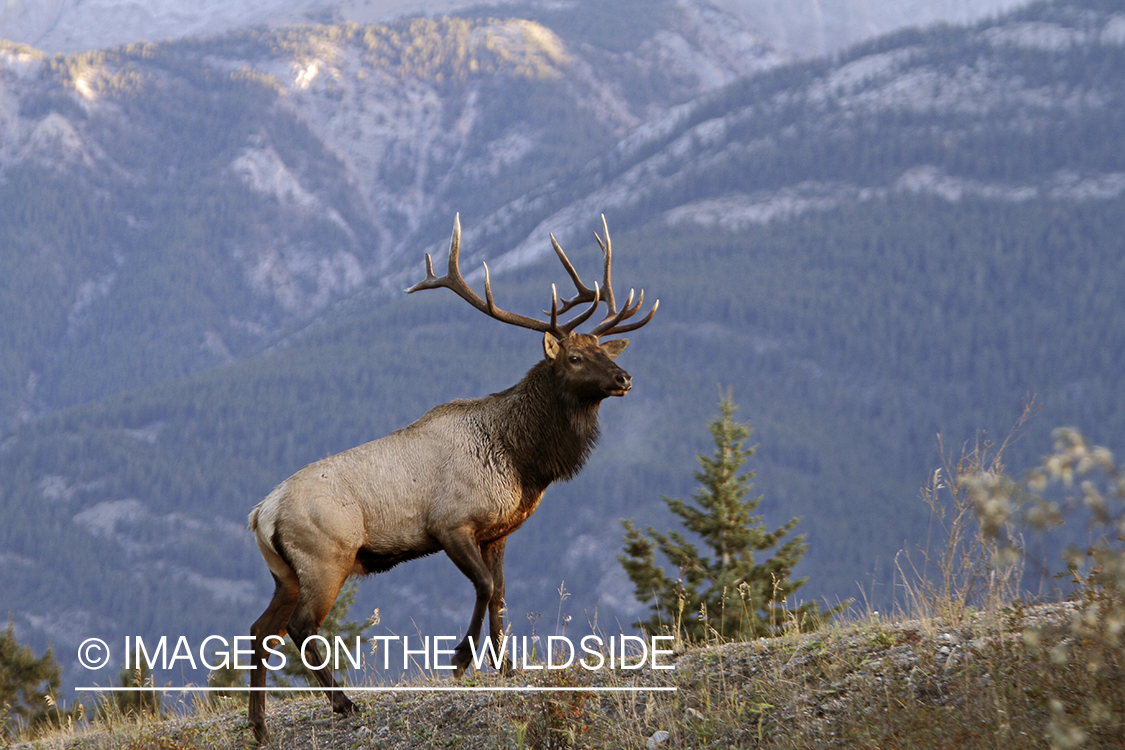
345, 145
799, 27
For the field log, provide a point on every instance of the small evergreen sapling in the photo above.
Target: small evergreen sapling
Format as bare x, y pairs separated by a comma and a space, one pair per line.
730, 593
27, 687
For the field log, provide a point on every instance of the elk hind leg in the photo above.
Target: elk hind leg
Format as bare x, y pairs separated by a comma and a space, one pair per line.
270, 623
315, 602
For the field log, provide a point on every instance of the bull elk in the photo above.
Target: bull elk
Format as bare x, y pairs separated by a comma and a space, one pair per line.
460, 479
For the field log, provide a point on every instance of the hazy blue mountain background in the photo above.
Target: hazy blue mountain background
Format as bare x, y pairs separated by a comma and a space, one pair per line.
203, 244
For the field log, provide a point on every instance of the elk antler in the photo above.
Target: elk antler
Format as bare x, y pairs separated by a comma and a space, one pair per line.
455, 281
611, 323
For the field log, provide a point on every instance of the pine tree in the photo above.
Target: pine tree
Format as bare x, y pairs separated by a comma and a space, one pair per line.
27, 689
730, 593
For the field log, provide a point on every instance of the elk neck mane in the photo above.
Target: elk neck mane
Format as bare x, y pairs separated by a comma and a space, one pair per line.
547, 432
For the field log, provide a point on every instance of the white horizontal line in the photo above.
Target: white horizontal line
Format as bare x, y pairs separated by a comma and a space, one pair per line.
481, 689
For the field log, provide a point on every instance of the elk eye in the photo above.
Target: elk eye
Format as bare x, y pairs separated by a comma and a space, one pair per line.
575, 359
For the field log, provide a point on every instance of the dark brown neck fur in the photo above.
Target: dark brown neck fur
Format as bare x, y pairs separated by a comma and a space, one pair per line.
547, 432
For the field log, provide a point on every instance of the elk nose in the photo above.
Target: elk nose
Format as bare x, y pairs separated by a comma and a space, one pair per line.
623, 380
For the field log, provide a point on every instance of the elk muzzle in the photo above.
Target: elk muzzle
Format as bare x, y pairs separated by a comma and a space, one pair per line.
622, 383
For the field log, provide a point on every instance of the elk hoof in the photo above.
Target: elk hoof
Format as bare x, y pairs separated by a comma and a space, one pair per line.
261, 735
460, 661
506, 668
344, 707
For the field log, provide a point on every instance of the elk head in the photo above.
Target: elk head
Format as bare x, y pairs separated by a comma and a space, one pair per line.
586, 367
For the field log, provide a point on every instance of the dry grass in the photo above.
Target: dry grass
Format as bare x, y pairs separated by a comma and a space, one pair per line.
1015, 677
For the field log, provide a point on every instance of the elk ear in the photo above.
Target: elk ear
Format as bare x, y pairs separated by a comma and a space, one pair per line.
550, 346
615, 347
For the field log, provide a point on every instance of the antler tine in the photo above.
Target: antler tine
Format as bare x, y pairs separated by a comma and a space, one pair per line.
585, 293
636, 308
582, 317
554, 305
452, 279
607, 251
631, 326
612, 320
514, 318
611, 324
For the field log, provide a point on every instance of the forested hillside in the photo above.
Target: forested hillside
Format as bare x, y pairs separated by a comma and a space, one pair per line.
909, 239
176, 206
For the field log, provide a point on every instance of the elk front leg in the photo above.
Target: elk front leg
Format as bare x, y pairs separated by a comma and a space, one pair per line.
463, 550
493, 555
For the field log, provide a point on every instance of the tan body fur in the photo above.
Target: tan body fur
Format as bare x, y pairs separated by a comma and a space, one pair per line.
396, 496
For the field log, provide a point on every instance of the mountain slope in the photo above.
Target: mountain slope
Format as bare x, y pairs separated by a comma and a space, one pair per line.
204, 198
